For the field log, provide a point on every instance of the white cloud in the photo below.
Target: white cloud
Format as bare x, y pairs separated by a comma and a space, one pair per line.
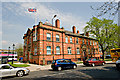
46, 13
16, 31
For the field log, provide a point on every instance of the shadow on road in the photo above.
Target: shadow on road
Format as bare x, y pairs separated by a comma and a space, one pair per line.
9, 77
102, 73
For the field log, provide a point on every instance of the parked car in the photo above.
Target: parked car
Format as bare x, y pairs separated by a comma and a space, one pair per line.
118, 63
60, 64
93, 62
8, 70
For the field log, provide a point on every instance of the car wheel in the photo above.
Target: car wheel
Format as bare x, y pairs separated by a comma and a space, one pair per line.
53, 69
103, 64
59, 68
20, 73
74, 67
117, 66
93, 64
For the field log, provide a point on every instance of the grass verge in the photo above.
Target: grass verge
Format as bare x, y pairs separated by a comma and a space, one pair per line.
79, 62
18, 65
107, 59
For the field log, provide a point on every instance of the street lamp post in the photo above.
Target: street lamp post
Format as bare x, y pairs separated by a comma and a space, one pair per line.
8, 53
52, 37
13, 52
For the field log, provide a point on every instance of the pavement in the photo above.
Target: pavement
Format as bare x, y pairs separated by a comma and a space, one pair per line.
35, 67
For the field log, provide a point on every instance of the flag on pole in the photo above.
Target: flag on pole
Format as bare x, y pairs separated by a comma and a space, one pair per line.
32, 10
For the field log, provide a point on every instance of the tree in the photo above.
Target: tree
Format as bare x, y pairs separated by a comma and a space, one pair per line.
105, 31
19, 49
110, 8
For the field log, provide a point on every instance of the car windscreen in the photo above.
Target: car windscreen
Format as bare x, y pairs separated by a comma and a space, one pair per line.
119, 58
89, 60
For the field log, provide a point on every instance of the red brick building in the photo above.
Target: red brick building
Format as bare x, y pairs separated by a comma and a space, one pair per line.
44, 43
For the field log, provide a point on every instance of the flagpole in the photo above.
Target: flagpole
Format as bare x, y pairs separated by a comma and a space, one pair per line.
35, 23
35, 15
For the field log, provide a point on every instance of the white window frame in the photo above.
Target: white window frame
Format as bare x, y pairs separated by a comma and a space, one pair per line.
78, 50
69, 50
83, 41
58, 51
66, 39
48, 36
57, 37
34, 37
35, 51
77, 40
90, 42
48, 50
93, 42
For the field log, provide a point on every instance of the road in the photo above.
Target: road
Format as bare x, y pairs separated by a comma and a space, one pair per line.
108, 71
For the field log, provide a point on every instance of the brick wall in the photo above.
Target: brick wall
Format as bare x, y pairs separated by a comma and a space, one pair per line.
42, 43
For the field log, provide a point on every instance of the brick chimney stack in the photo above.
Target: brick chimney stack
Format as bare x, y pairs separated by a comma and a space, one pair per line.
57, 23
74, 29
78, 31
87, 34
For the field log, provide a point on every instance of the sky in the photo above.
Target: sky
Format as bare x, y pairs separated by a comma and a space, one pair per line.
15, 18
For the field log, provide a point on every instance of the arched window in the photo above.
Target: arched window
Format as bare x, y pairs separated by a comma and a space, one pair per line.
78, 51
48, 50
69, 50
57, 37
48, 36
57, 50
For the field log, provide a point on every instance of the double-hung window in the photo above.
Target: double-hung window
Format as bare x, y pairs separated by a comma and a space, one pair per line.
48, 36
48, 50
66, 39
35, 50
87, 42
90, 42
57, 38
78, 51
83, 41
34, 36
96, 43
57, 50
70, 39
93, 42
77, 40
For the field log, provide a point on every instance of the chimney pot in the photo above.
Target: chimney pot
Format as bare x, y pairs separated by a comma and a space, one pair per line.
74, 29
78, 31
87, 34
57, 23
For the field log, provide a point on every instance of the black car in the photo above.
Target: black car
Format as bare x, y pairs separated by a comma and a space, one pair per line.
60, 64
